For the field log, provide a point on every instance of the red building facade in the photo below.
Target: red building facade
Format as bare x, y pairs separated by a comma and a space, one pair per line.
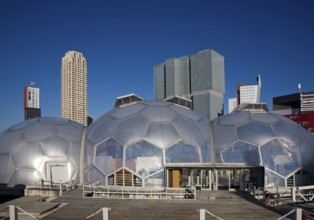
299, 107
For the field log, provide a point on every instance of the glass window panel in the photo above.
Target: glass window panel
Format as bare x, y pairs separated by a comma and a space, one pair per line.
288, 132
206, 152
203, 123
53, 120
123, 112
155, 180
306, 153
39, 132
131, 129
223, 137
255, 133
264, 117
234, 118
273, 180
27, 177
189, 130
56, 146
144, 158
73, 168
186, 112
89, 153
109, 156
285, 119
162, 135
75, 152
6, 168
241, 153
182, 153
27, 155
101, 130
93, 174
69, 132
158, 114
218, 157
24, 124
280, 157
9, 140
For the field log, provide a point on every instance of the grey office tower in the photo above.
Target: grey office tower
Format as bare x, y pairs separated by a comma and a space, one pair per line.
199, 77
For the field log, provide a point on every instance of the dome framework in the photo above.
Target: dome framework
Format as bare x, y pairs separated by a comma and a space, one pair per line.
130, 145
46, 148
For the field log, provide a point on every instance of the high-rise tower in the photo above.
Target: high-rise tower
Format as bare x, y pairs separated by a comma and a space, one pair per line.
74, 87
31, 102
199, 77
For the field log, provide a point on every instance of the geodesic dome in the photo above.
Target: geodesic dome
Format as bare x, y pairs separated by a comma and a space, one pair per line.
253, 136
130, 144
45, 148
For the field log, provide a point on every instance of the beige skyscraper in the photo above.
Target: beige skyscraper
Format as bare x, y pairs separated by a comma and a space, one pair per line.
74, 87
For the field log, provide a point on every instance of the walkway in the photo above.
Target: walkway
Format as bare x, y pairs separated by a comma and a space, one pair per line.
224, 204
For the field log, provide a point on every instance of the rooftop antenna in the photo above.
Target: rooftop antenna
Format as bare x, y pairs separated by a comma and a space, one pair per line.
299, 88
258, 79
32, 83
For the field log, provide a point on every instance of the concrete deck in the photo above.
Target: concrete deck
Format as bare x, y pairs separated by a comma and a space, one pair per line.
224, 204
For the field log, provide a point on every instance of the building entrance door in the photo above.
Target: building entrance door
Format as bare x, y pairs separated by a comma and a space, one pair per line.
176, 176
58, 172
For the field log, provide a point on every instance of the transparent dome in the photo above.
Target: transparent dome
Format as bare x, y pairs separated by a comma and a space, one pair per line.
45, 148
129, 145
261, 138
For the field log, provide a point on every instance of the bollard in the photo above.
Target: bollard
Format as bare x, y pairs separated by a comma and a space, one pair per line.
105, 215
60, 189
202, 214
13, 212
293, 190
298, 214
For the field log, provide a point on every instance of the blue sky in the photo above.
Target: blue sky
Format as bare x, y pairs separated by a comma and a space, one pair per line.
122, 40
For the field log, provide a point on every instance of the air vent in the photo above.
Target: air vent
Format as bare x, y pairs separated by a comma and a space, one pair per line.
249, 107
127, 100
187, 103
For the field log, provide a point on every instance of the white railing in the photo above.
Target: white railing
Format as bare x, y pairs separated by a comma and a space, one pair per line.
305, 193
97, 191
66, 186
277, 195
63, 187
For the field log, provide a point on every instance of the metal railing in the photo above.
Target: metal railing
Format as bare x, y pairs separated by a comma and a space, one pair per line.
278, 195
97, 191
305, 193
62, 186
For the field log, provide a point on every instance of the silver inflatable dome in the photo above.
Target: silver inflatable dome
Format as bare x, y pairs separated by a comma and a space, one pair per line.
129, 145
252, 136
42, 148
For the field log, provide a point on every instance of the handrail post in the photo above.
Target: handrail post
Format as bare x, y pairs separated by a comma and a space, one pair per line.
293, 191
298, 214
105, 215
202, 214
13, 212
60, 188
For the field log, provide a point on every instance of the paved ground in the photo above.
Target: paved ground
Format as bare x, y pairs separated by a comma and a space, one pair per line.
72, 206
